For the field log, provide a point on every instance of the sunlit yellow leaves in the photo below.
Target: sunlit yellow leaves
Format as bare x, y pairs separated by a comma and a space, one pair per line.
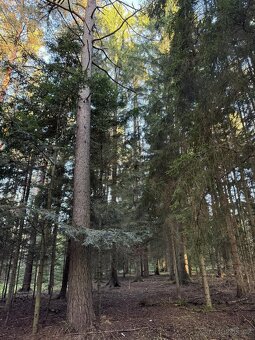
20, 36
143, 20
172, 9
164, 44
236, 122
123, 42
34, 39
19, 32
172, 6
110, 19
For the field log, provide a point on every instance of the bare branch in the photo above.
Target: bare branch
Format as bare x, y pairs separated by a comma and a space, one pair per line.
106, 55
115, 81
70, 28
117, 29
66, 9
106, 5
127, 5
132, 29
70, 10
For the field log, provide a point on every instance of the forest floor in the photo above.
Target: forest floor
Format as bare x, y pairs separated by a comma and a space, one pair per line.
144, 310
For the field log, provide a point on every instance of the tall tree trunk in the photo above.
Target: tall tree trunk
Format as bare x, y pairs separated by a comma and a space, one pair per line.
57, 191
183, 258
138, 274
218, 263
44, 244
145, 262
169, 251
249, 203
53, 259
39, 282
114, 280
80, 312
230, 225
205, 281
26, 286
176, 273
62, 294
7, 275
16, 255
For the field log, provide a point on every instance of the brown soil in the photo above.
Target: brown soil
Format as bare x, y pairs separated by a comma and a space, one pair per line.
144, 310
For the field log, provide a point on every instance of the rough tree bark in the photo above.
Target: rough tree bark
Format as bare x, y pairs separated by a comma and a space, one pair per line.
80, 313
183, 259
145, 260
176, 273
230, 228
207, 294
114, 280
62, 294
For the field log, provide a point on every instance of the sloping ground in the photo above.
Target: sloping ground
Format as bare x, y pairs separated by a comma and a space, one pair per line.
145, 310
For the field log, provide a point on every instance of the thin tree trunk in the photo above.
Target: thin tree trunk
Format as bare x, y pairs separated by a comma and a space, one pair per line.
125, 265
39, 283
44, 244
16, 255
205, 281
114, 280
57, 189
35, 276
176, 274
183, 259
145, 262
138, 276
241, 290
99, 281
157, 268
26, 286
170, 253
1, 265
7, 275
62, 294
218, 264
18, 271
53, 259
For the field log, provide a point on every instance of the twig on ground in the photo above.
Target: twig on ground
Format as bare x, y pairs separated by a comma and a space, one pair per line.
110, 331
236, 301
249, 322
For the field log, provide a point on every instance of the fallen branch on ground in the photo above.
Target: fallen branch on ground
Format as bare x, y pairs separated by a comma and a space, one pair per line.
236, 301
111, 331
249, 322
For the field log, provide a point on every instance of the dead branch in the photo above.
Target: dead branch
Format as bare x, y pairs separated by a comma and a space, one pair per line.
236, 301
111, 331
118, 28
125, 4
66, 9
132, 29
115, 81
249, 322
106, 55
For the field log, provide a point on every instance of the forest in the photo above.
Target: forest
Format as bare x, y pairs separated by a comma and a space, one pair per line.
127, 169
